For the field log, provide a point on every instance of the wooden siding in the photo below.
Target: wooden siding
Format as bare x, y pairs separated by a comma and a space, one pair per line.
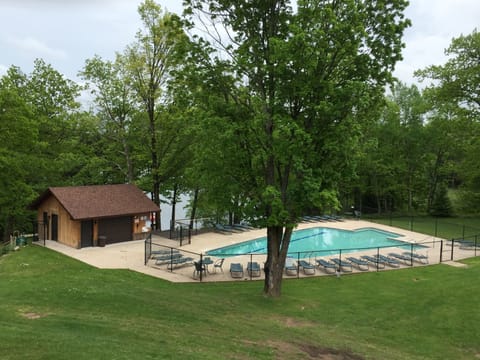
69, 231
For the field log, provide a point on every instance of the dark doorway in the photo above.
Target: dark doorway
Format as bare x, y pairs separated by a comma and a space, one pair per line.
116, 229
87, 233
45, 225
55, 227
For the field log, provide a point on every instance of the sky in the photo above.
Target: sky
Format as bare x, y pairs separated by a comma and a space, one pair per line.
65, 33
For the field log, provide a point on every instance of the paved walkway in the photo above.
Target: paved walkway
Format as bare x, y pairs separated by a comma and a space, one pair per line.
130, 255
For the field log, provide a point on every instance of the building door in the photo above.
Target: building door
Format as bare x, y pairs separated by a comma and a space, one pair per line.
55, 227
116, 229
44, 227
87, 233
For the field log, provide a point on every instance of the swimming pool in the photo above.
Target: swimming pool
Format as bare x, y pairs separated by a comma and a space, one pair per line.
319, 242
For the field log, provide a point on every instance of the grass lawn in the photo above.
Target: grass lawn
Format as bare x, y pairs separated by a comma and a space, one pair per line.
447, 228
54, 307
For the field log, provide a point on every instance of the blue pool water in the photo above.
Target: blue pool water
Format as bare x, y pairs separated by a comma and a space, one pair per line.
318, 242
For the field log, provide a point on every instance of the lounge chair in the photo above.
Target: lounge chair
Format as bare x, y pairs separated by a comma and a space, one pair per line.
389, 261
233, 228
291, 268
325, 218
336, 217
240, 227
179, 262
327, 266
156, 253
222, 229
344, 266
423, 259
468, 245
359, 263
253, 269
311, 218
374, 260
308, 269
407, 259
236, 270
331, 218
218, 264
165, 259
244, 226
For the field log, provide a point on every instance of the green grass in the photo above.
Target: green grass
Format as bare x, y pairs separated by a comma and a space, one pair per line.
447, 228
54, 307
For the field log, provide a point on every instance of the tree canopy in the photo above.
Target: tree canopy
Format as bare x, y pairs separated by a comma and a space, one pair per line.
305, 84
269, 113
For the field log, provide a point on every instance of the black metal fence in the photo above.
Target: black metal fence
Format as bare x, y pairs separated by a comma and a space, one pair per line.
301, 264
469, 245
444, 228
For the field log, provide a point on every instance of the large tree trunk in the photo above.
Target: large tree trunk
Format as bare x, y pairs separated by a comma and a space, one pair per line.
128, 160
278, 242
194, 208
155, 163
174, 205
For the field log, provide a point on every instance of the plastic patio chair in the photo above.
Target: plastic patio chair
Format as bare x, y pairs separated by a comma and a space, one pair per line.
218, 264
199, 269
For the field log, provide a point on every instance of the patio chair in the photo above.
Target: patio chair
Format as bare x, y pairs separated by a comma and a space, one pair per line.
218, 264
199, 270
344, 266
417, 257
359, 263
388, 261
468, 245
179, 262
374, 260
164, 252
327, 266
165, 259
407, 259
253, 269
244, 226
291, 268
236, 270
222, 229
308, 269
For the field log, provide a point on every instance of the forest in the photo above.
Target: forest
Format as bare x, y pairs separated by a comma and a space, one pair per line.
304, 120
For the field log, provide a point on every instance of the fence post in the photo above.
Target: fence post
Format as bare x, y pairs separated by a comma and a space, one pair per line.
441, 251
378, 258
145, 249
298, 265
340, 263
411, 254
476, 244
451, 253
411, 223
463, 232
436, 227
250, 270
148, 247
201, 267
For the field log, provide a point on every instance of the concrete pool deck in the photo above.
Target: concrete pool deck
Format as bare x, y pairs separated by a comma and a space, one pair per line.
130, 255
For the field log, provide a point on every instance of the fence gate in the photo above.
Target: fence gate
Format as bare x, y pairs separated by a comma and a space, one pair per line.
445, 250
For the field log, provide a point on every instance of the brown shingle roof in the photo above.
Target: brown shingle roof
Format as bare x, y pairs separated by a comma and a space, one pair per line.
98, 201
